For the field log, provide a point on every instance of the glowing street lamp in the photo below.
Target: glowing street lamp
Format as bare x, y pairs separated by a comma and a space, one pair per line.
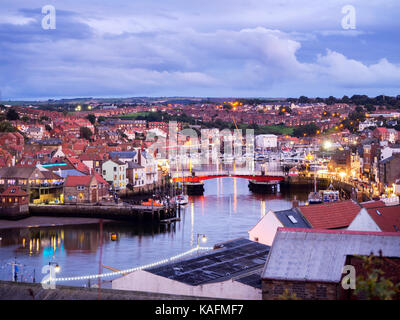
203, 239
327, 145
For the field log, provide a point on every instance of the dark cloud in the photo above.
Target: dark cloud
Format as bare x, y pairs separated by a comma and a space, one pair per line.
209, 48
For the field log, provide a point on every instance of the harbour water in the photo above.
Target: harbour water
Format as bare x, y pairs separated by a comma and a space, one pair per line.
226, 211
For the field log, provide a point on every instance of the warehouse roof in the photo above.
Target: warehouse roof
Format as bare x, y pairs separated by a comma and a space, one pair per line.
319, 255
239, 259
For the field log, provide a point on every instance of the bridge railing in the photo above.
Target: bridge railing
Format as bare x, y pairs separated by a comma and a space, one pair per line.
227, 173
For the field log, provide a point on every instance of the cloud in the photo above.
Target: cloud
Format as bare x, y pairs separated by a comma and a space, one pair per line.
212, 48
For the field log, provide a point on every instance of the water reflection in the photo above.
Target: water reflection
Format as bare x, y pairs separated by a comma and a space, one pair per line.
226, 211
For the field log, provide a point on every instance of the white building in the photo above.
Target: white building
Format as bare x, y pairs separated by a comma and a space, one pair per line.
114, 172
377, 216
366, 124
266, 141
149, 163
264, 231
387, 152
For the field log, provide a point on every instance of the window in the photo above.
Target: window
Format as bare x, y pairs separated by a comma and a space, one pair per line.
115, 169
292, 219
104, 172
80, 187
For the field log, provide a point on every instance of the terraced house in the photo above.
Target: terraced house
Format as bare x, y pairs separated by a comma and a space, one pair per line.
114, 172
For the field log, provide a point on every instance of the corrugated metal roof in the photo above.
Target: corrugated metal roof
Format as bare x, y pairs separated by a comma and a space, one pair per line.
319, 255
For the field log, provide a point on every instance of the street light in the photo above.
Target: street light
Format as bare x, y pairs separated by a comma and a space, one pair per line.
203, 239
57, 268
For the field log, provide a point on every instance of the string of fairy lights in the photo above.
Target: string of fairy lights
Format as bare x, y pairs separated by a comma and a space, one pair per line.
119, 272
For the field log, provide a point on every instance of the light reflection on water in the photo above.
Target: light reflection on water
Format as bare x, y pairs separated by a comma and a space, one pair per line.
226, 211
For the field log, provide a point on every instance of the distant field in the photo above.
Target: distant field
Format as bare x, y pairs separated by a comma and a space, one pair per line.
134, 115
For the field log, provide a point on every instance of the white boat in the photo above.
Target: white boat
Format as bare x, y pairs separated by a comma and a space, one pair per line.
330, 195
182, 199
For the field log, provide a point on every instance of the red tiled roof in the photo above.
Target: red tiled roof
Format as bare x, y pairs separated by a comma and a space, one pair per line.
100, 179
373, 204
14, 191
331, 215
381, 130
74, 181
375, 233
387, 218
78, 165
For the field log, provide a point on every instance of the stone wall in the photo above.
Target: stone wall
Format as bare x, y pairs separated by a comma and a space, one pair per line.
273, 289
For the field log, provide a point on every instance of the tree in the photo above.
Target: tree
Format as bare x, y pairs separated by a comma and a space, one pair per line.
373, 285
6, 126
283, 110
48, 128
12, 115
359, 109
92, 118
25, 118
101, 119
85, 133
306, 130
303, 99
44, 118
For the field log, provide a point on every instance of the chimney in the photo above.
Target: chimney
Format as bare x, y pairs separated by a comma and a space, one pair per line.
295, 202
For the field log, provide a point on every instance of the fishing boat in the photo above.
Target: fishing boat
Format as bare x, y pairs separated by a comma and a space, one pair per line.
182, 199
330, 195
314, 196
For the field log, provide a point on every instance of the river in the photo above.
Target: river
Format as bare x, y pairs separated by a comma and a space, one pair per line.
226, 211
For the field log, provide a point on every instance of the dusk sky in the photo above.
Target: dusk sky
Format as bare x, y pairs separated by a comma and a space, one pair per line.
208, 48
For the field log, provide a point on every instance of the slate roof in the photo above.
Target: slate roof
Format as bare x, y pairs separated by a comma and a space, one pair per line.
283, 217
387, 218
330, 215
69, 172
239, 259
319, 255
123, 154
134, 165
17, 172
